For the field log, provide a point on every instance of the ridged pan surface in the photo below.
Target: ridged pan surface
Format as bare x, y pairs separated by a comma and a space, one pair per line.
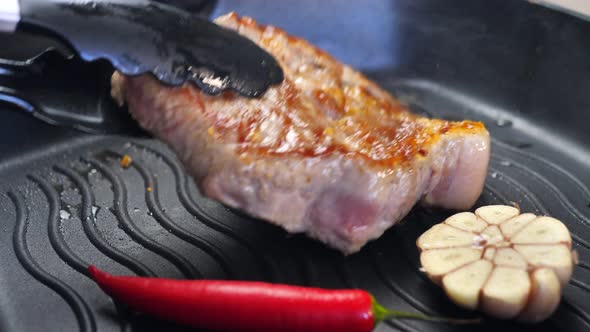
78, 206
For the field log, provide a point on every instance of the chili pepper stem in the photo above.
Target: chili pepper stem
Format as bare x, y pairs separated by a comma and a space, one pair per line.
381, 314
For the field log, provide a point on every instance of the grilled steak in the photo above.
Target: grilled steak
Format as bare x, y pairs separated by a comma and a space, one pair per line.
326, 152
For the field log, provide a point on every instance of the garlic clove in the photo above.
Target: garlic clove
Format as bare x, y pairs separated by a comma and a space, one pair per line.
444, 236
506, 291
466, 221
513, 225
438, 262
544, 297
510, 257
542, 230
464, 284
558, 257
496, 214
493, 235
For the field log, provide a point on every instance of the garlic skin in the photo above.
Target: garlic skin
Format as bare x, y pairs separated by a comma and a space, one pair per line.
504, 263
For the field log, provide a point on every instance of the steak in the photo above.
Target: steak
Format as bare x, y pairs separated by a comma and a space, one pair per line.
326, 152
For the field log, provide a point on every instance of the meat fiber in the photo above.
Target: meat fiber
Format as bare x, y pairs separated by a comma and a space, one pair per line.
326, 152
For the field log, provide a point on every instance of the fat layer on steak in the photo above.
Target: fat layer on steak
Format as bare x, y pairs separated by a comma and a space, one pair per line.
326, 152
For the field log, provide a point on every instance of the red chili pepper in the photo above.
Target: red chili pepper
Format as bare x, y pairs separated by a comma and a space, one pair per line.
250, 306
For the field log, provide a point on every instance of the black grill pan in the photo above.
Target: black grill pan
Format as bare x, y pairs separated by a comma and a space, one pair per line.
66, 202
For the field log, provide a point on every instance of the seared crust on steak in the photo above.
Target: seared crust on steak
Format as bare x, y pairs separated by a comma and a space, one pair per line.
326, 152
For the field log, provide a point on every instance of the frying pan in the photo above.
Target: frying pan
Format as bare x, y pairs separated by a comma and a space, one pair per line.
66, 202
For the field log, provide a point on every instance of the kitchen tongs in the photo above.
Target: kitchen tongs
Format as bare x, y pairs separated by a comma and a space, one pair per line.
143, 36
